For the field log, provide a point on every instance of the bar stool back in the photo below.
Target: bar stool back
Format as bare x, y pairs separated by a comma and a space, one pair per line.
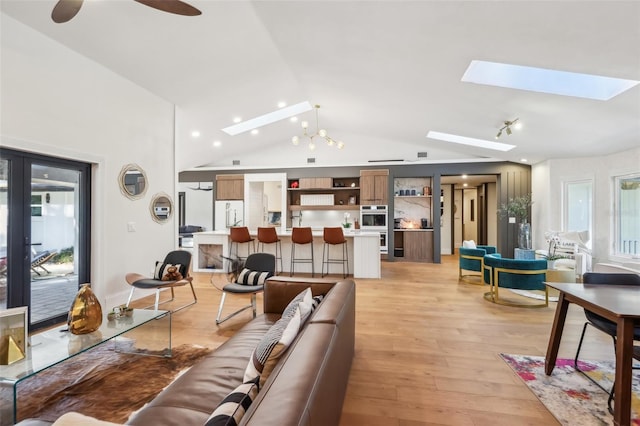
240, 235
301, 236
268, 235
332, 237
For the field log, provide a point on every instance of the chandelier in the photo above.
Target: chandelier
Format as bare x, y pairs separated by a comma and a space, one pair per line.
507, 127
313, 137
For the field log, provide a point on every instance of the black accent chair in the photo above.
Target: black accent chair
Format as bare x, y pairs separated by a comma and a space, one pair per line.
603, 324
259, 262
181, 257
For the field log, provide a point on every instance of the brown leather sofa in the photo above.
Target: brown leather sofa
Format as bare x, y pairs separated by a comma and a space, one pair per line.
307, 386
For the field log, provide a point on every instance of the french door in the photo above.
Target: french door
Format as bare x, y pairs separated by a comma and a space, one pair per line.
44, 234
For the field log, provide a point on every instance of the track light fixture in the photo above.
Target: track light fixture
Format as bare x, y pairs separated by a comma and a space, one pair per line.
507, 127
320, 133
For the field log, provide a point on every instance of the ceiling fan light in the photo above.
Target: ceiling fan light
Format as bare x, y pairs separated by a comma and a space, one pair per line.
323, 133
305, 124
340, 145
295, 140
517, 125
508, 129
330, 142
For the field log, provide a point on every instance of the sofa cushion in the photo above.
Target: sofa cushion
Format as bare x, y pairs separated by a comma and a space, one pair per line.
232, 408
249, 277
279, 337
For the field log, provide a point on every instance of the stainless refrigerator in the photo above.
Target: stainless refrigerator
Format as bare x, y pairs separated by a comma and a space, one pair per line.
228, 213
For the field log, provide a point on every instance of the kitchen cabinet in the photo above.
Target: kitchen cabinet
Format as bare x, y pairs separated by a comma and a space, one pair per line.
374, 187
414, 245
230, 187
331, 193
315, 183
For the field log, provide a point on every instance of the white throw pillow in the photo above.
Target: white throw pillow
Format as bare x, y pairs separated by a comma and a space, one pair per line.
469, 244
77, 419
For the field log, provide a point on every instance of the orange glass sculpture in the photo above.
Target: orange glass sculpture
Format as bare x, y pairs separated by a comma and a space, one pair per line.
85, 314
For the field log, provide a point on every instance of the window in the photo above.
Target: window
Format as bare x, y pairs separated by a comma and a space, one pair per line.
627, 216
36, 205
578, 207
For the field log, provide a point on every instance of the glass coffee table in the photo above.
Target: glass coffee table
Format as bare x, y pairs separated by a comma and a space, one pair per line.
149, 330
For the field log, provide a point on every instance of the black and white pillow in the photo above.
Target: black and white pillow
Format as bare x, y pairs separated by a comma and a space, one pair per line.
161, 269
232, 408
316, 301
249, 277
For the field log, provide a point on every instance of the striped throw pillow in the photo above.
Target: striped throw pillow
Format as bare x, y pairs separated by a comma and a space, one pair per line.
249, 277
232, 408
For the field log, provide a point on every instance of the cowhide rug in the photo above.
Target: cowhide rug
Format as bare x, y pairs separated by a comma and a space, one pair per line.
102, 383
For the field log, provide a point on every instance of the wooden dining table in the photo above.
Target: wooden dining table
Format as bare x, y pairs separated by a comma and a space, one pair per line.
617, 303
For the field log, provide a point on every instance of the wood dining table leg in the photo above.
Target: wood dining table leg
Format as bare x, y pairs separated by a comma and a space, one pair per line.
624, 359
556, 334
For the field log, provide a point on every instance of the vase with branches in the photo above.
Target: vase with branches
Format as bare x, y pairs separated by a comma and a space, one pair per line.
518, 207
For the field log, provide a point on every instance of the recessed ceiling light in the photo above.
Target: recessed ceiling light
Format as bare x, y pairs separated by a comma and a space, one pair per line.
217, 144
268, 118
524, 160
282, 104
294, 119
237, 119
464, 176
465, 184
254, 132
546, 80
480, 143
195, 134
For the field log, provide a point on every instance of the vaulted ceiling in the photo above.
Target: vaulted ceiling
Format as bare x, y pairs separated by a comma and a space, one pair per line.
384, 72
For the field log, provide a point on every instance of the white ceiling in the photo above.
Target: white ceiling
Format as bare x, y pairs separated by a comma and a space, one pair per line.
384, 72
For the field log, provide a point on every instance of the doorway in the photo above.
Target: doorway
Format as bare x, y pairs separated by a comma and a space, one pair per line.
44, 234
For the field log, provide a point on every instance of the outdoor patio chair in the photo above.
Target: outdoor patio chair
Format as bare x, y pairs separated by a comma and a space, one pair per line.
40, 259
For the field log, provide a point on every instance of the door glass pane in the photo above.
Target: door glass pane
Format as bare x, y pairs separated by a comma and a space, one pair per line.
4, 223
54, 240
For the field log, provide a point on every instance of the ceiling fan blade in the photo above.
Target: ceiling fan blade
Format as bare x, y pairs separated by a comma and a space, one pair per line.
65, 10
172, 6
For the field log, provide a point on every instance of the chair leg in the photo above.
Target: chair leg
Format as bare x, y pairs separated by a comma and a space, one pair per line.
293, 256
130, 296
324, 248
253, 305
575, 360
224, 295
313, 271
346, 261
158, 298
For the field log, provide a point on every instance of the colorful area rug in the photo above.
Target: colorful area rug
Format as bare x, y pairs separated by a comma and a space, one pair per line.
102, 383
567, 394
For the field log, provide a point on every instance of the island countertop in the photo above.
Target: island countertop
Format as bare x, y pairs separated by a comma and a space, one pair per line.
210, 248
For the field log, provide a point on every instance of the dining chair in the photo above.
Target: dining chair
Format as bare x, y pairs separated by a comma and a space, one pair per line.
603, 324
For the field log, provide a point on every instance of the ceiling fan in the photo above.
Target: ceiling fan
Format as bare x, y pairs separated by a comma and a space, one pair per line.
65, 10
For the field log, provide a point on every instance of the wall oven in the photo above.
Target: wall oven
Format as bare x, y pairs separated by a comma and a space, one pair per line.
374, 218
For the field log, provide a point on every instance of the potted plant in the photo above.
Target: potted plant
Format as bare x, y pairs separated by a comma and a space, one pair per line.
346, 223
518, 207
551, 256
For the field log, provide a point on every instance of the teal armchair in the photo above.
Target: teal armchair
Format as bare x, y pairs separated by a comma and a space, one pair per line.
472, 259
517, 274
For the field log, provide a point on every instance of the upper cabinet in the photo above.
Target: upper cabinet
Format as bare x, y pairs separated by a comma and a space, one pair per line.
374, 187
315, 183
229, 187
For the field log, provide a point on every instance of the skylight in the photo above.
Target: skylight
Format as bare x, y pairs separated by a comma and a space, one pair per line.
272, 117
546, 80
480, 143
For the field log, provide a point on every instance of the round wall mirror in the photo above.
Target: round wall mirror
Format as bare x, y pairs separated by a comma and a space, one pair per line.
132, 181
161, 207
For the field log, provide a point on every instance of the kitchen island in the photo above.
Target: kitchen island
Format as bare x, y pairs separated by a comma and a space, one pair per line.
363, 248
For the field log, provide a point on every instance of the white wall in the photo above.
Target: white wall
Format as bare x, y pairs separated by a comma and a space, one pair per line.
547, 186
57, 102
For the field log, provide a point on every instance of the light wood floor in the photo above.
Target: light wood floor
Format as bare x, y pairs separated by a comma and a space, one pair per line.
426, 348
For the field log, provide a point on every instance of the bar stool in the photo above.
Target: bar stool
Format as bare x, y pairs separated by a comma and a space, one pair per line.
333, 237
268, 235
240, 235
301, 236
